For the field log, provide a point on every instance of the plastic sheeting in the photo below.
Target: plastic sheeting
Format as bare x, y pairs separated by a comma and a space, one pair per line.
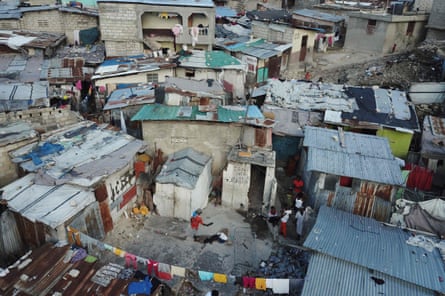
426, 216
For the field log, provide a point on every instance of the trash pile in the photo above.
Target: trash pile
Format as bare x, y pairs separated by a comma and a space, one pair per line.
285, 262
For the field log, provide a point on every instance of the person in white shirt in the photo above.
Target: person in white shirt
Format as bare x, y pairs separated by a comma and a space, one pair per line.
284, 219
299, 218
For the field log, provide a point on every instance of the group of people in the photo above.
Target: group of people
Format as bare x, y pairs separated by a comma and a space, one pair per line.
298, 210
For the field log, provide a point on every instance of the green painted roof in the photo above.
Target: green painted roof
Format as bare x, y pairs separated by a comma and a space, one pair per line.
225, 114
164, 112
218, 59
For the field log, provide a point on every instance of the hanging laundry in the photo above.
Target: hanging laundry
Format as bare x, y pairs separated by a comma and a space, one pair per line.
152, 267
130, 260
205, 275
118, 252
248, 282
280, 286
177, 270
177, 29
260, 284
269, 283
220, 278
164, 272
194, 31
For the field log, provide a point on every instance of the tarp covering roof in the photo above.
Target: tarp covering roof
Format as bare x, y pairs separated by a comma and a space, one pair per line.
375, 246
48, 204
90, 153
360, 156
183, 168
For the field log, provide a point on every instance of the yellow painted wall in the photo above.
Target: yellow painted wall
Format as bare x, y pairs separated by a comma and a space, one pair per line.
398, 141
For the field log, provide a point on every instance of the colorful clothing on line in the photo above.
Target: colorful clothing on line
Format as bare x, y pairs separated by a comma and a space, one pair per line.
280, 286
269, 283
177, 270
205, 275
130, 260
164, 271
248, 282
152, 267
119, 252
260, 284
220, 278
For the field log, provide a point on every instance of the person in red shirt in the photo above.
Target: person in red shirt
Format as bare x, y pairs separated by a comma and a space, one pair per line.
298, 185
196, 220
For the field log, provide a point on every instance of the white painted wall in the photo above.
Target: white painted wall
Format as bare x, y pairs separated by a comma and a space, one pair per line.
180, 202
236, 183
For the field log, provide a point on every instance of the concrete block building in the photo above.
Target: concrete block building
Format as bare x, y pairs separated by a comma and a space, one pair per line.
130, 27
51, 19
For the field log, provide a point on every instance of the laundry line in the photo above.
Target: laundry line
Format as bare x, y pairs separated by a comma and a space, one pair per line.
166, 271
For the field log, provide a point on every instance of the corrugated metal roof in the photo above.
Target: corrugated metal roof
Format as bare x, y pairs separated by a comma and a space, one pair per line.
123, 97
164, 112
327, 275
90, 153
21, 96
292, 122
238, 113
259, 48
48, 204
272, 15
215, 59
183, 168
375, 246
13, 132
177, 3
315, 14
225, 113
363, 156
204, 86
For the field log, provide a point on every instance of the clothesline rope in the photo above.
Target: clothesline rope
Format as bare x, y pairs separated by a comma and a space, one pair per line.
167, 271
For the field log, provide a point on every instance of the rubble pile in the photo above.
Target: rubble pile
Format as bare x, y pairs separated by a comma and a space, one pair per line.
397, 71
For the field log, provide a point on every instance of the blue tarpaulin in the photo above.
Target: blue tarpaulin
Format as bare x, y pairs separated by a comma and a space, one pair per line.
43, 150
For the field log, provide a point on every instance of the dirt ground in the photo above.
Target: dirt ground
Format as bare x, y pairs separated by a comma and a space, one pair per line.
170, 240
